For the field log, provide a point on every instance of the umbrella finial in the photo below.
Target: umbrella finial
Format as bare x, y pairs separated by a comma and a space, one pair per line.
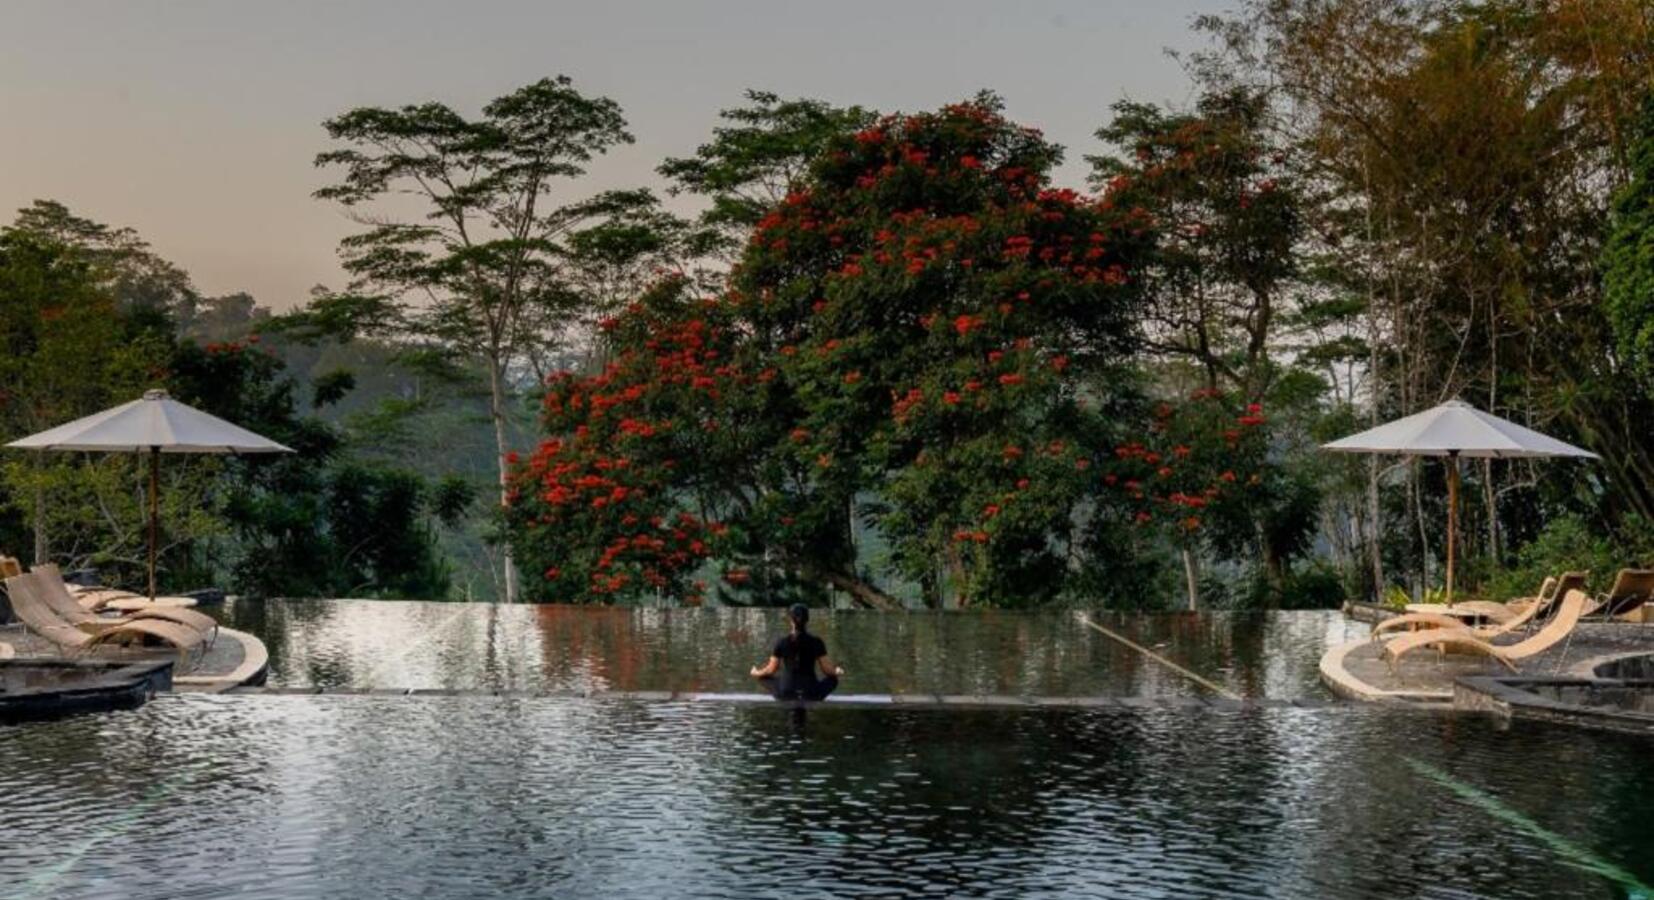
156, 394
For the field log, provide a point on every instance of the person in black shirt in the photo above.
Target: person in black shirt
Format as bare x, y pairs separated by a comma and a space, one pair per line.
790, 673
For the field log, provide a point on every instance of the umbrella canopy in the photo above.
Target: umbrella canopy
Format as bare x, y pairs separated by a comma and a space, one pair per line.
1452, 430
1456, 429
152, 422
157, 424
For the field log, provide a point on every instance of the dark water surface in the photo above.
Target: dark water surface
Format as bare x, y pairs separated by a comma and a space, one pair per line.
280, 795
390, 645
375, 796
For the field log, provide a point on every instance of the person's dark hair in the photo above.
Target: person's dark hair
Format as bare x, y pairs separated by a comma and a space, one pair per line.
799, 615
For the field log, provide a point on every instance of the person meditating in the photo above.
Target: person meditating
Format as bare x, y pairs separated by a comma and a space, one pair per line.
790, 673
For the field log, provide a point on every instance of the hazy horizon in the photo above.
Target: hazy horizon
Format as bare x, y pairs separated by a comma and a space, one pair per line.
196, 123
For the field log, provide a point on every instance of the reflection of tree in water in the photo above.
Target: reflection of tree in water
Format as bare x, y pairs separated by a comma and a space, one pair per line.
1023, 800
630, 649
391, 644
1199, 802
467, 796
277, 622
897, 800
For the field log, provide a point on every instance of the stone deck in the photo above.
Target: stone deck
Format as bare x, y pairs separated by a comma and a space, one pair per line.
1358, 671
235, 659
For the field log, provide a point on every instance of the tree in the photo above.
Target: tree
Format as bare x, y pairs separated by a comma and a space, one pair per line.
1199, 466
70, 349
1227, 224
922, 335
753, 161
79, 337
1628, 258
1462, 157
482, 259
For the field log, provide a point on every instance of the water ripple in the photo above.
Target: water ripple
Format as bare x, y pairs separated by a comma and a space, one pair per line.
341, 796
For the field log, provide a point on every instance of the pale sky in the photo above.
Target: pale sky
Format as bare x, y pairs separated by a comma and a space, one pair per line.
196, 122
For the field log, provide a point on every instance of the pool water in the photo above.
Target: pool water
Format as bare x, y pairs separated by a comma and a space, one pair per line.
347, 795
368, 644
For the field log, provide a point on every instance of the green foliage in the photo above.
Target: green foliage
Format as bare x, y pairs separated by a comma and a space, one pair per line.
753, 160
922, 334
331, 387
1227, 215
312, 523
1398, 598
1568, 543
1628, 258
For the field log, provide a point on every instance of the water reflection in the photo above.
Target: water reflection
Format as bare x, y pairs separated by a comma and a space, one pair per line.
382, 644
281, 796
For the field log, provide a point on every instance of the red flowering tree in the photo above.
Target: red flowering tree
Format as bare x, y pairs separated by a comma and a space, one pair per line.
1201, 464
948, 325
601, 509
923, 335
1229, 219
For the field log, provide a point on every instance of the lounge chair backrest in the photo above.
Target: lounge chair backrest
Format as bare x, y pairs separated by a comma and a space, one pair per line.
1547, 590
30, 608
1567, 616
49, 584
9, 566
1632, 588
1570, 581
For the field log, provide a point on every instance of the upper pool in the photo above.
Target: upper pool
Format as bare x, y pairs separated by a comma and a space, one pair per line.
485, 647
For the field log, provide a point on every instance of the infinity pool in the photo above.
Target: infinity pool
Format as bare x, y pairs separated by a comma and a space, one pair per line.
283, 795
396, 645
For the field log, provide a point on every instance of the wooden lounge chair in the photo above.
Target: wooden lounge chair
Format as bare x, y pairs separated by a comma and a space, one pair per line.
56, 595
1491, 610
95, 599
1558, 629
1533, 609
31, 609
1632, 588
101, 597
1548, 591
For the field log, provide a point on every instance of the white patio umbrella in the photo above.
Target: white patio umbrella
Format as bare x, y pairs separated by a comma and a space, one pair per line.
157, 424
1456, 429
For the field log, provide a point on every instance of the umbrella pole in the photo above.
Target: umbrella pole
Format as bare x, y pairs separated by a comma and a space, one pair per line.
155, 513
1452, 517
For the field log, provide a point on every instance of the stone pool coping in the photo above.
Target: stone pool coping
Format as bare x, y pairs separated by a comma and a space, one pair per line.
236, 658
1335, 674
887, 701
1512, 697
1356, 670
254, 665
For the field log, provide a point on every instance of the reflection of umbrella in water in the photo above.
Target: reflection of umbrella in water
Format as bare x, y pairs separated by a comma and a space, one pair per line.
1456, 429
157, 424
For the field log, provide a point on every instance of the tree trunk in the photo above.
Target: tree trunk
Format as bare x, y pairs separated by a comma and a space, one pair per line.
1490, 496
41, 550
930, 589
1191, 577
1375, 529
496, 410
861, 592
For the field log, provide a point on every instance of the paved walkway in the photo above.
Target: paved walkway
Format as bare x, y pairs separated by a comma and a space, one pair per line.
1358, 671
234, 659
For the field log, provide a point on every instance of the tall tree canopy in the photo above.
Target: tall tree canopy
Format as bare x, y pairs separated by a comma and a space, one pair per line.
922, 336
479, 266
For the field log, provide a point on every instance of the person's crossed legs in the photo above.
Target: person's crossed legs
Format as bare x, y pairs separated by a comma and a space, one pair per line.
819, 692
